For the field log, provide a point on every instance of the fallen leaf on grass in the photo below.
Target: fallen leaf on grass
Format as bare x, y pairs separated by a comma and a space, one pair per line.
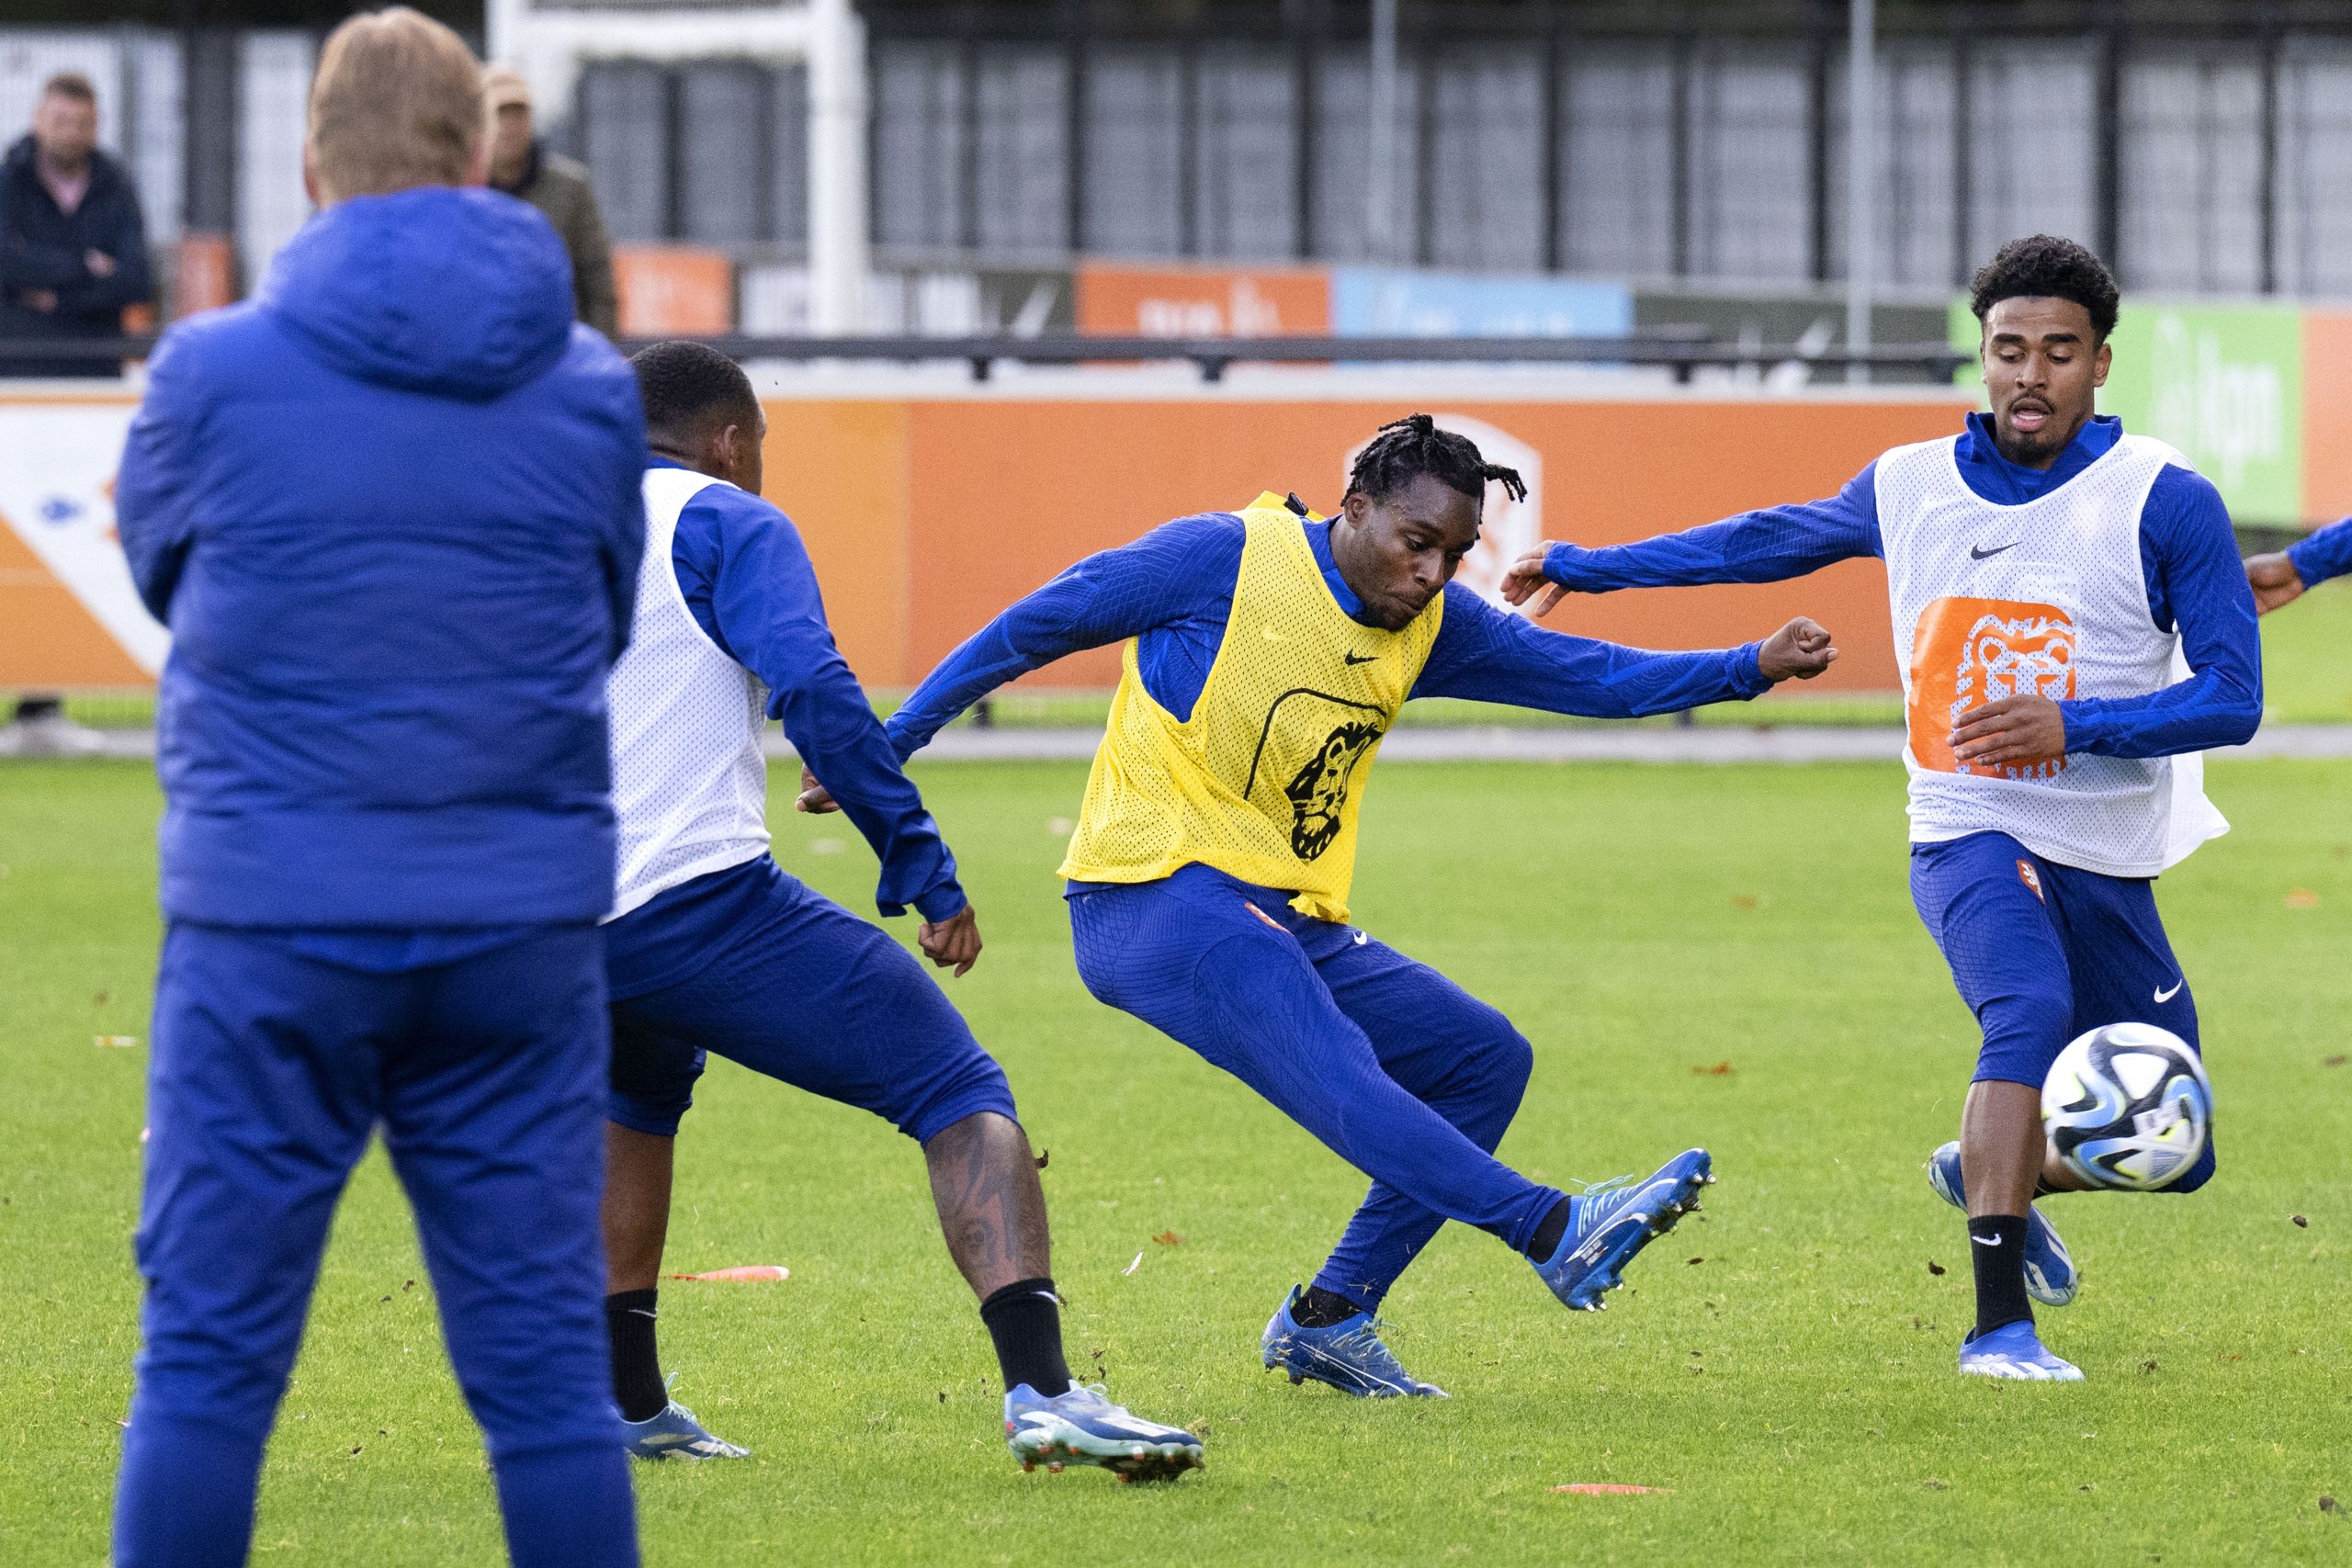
1697, 1260
1934, 1267
751, 1273
2301, 898
2300, 1223
2147, 1366
1933, 1484
1720, 1070
119, 1042
2335, 1061
2329, 1505
1133, 1267
1743, 900
1614, 1489
1168, 1238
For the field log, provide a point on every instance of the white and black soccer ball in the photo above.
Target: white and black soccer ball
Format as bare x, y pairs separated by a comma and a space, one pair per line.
2127, 1106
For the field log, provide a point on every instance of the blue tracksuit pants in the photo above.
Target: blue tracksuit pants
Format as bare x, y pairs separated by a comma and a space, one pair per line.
487, 1077
1393, 1067
2044, 952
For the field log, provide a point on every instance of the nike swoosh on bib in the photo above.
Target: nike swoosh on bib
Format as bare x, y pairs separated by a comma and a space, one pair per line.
1978, 552
1358, 658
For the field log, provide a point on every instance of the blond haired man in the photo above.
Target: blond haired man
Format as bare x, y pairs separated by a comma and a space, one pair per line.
389, 509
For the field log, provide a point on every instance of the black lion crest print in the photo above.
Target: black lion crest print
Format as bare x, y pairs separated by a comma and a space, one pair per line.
1319, 791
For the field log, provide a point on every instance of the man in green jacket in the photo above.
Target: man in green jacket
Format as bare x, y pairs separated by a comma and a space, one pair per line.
558, 187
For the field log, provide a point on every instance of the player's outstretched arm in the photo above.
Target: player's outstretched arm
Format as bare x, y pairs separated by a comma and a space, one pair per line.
1770, 545
746, 577
1488, 655
2280, 577
2197, 583
1175, 571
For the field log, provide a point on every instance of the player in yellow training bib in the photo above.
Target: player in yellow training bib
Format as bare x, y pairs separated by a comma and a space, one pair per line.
1267, 653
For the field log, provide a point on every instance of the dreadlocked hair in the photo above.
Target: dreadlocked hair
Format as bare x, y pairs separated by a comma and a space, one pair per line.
1414, 445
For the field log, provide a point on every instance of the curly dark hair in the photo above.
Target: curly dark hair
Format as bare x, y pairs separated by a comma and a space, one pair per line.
1414, 445
2044, 267
685, 385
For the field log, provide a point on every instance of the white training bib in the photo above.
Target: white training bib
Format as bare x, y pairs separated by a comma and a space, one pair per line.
690, 786
2047, 598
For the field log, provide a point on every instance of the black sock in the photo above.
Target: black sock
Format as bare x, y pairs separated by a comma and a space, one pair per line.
1997, 1243
1547, 1240
1025, 1320
637, 1364
1319, 1308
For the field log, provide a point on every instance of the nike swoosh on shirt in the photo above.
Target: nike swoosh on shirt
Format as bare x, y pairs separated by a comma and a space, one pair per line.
1358, 658
1978, 552
2163, 997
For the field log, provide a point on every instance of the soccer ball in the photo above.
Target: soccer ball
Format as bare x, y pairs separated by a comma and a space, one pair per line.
2127, 1106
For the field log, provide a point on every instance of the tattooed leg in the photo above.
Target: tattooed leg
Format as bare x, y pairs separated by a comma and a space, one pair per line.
984, 1182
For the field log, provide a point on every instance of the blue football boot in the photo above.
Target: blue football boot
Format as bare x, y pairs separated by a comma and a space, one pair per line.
2014, 1351
672, 1432
2050, 1276
1610, 1223
1082, 1427
1348, 1355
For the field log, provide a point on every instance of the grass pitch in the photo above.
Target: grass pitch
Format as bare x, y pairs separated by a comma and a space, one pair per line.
1724, 956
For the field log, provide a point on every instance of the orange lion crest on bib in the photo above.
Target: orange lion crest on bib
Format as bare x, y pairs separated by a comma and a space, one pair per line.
1968, 652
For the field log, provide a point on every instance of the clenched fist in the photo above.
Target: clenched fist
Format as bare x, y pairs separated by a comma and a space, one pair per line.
1801, 650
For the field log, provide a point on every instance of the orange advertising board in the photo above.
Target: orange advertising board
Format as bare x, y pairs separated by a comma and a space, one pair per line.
969, 503
1156, 302
663, 290
926, 515
2327, 415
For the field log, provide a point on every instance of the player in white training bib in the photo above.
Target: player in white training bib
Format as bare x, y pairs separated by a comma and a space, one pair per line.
712, 947
2074, 627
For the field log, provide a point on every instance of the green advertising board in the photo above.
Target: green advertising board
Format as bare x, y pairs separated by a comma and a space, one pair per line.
2225, 383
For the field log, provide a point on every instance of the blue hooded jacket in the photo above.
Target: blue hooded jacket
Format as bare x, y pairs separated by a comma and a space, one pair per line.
391, 509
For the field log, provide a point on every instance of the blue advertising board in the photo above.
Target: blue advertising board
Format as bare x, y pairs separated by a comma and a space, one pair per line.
1371, 301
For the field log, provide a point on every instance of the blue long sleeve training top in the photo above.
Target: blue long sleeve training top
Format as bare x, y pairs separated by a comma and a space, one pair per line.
1173, 589
2326, 553
747, 579
2189, 558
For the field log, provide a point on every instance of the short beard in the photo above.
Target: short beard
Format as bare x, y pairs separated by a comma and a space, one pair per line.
2030, 451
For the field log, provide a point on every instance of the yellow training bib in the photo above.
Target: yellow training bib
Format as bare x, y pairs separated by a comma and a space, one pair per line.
1261, 782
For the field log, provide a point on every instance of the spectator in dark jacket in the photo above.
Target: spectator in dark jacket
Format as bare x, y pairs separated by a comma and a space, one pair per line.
391, 509
521, 165
73, 247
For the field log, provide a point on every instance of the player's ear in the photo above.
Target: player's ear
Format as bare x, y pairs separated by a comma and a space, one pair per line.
2099, 362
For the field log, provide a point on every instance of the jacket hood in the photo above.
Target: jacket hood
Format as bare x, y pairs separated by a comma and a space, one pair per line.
462, 293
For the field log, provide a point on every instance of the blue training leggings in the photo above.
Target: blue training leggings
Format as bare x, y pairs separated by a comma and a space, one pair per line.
2042, 952
270, 1071
1397, 1069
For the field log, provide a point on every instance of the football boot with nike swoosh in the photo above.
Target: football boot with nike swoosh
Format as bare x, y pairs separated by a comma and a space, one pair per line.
2050, 1276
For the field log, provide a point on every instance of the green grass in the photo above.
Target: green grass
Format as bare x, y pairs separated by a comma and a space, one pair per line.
1794, 1387
2307, 669
2307, 657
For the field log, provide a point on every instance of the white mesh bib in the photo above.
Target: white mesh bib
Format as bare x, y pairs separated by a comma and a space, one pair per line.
2048, 598
689, 784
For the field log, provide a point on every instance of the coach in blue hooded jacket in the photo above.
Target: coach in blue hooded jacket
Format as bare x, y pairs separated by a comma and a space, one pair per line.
390, 511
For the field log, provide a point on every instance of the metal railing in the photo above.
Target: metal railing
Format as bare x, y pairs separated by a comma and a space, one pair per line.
1681, 353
